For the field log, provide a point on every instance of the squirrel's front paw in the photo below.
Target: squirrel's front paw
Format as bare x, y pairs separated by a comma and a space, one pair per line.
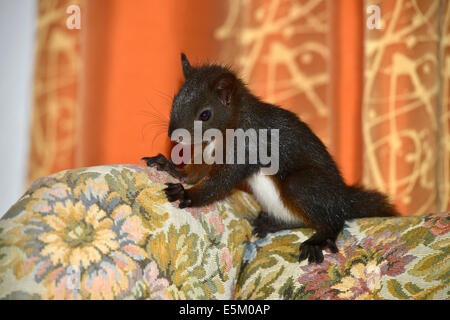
175, 191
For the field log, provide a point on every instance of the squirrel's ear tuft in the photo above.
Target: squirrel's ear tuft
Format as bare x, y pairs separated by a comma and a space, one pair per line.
186, 65
225, 86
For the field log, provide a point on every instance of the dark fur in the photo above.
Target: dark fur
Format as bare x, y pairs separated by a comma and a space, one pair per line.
308, 179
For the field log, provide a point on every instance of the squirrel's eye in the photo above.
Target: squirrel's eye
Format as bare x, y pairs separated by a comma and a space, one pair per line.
205, 115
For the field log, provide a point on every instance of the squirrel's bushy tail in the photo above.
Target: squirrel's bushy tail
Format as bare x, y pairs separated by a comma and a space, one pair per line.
369, 203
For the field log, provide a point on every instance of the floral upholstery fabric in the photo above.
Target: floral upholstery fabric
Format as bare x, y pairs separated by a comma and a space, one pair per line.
109, 233
378, 258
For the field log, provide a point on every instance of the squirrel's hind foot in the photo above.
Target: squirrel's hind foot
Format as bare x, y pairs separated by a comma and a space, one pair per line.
312, 248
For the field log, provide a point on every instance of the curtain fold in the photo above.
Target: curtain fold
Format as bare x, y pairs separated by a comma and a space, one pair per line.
378, 98
443, 111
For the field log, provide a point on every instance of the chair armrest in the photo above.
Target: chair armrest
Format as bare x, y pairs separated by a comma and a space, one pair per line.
109, 232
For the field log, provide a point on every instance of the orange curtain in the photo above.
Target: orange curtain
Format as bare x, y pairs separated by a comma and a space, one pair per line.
133, 70
377, 97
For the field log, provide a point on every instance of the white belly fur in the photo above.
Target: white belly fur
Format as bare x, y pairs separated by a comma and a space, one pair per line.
268, 197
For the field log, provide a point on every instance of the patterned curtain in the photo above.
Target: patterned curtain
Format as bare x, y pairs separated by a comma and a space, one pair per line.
56, 87
406, 111
378, 97
295, 54
281, 48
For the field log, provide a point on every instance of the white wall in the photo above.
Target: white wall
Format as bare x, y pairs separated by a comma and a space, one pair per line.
17, 33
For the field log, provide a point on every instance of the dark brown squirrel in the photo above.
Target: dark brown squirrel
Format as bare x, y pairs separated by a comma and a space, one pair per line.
308, 189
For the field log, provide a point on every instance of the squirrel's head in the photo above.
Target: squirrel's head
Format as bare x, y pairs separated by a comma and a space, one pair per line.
207, 95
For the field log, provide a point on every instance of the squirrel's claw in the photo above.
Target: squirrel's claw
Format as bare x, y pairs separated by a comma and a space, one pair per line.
174, 192
185, 203
312, 248
159, 162
312, 252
